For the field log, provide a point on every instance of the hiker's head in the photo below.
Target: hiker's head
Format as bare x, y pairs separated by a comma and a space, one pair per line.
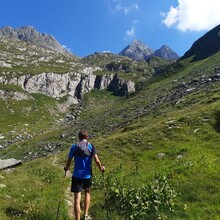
83, 134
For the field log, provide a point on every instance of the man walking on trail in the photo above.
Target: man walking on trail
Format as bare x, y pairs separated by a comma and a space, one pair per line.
82, 152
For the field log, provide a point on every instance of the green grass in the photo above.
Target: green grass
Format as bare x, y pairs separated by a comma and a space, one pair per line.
195, 176
32, 191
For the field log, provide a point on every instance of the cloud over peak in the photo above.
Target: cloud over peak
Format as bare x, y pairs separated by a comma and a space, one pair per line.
193, 15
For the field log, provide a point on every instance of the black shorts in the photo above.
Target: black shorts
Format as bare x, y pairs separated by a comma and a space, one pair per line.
79, 184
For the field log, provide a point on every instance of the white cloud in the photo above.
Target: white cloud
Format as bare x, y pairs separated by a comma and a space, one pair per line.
193, 15
126, 9
131, 32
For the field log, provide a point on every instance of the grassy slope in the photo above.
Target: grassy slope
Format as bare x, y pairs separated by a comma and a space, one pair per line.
189, 129
37, 117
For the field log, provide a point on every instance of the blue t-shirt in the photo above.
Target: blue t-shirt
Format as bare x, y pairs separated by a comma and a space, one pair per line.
82, 153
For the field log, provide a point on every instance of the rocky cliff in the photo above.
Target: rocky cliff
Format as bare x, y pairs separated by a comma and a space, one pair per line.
72, 84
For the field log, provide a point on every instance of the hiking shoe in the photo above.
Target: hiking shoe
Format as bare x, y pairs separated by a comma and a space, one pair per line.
87, 217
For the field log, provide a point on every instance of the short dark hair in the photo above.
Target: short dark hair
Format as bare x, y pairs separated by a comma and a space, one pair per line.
83, 134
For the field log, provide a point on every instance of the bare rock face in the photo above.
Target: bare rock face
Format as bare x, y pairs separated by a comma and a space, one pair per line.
74, 85
51, 84
103, 81
9, 163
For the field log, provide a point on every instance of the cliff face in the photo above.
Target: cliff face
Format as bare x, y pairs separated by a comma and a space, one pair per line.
72, 84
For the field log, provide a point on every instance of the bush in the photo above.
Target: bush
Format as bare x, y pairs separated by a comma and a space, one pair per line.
155, 200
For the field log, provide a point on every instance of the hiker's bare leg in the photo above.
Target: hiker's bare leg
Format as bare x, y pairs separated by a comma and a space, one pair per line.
87, 201
77, 209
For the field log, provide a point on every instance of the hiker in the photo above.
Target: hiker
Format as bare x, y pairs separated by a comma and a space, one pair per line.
83, 152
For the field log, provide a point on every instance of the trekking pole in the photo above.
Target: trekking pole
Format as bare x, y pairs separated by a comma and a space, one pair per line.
61, 193
105, 194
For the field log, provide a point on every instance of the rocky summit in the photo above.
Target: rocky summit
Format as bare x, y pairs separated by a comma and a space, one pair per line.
167, 53
139, 51
32, 36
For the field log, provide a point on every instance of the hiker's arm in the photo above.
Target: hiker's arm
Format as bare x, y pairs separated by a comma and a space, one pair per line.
98, 163
68, 163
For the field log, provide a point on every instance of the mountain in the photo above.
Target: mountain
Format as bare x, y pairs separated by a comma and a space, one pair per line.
137, 51
167, 53
32, 36
205, 46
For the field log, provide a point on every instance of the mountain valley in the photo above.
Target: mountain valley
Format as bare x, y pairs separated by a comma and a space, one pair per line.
154, 119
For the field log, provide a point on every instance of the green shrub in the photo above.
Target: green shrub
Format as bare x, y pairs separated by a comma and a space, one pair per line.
155, 200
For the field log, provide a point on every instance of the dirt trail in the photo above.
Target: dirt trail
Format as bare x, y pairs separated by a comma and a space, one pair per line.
68, 196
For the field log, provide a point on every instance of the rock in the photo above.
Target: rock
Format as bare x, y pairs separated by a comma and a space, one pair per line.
196, 130
169, 122
179, 157
137, 51
160, 155
18, 96
9, 163
30, 35
73, 85
2, 185
4, 64
1, 147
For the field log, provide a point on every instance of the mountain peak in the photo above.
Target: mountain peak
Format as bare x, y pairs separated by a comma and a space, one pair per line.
31, 35
137, 50
140, 51
136, 42
167, 53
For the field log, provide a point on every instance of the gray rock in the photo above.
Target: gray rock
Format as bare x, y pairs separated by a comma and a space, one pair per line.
167, 53
4, 64
179, 157
2, 185
160, 155
30, 35
73, 84
137, 51
9, 163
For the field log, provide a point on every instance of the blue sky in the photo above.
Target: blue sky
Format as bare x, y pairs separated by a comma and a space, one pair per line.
88, 26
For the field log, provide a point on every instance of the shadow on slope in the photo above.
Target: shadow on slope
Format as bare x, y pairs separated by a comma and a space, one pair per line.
217, 123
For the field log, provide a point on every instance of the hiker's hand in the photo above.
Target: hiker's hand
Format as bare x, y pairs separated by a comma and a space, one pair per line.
102, 168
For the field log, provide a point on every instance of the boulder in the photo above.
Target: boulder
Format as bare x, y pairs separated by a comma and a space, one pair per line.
9, 163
